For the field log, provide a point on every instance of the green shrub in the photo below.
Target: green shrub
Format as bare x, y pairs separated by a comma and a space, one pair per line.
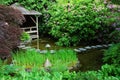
6, 1
94, 75
112, 59
115, 36
115, 2
109, 70
112, 55
25, 36
86, 21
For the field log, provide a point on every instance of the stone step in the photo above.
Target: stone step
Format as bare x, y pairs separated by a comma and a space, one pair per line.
45, 51
88, 47
76, 50
52, 51
94, 47
110, 44
21, 46
104, 45
82, 49
99, 46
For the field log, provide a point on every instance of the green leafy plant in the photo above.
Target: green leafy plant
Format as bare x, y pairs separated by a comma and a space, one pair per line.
112, 55
9, 70
20, 73
112, 59
25, 36
94, 75
36, 74
115, 2
115, 36
6, 2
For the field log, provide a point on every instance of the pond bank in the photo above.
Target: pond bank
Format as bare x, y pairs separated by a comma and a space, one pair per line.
89, 60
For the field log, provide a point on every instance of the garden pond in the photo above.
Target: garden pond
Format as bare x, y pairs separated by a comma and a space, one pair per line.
89, 60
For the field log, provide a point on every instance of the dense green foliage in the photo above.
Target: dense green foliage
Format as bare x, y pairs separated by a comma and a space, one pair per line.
82, 21
29, 4
6, 2
115, 36
116, 1
18, 73
112, 55
12, 72
61, 60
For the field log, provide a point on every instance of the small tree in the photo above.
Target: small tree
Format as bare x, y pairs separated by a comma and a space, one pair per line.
10, 21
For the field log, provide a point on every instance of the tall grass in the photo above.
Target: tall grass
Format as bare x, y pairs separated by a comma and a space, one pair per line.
60, 59
28, 58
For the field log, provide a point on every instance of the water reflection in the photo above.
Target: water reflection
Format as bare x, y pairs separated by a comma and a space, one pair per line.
90, 60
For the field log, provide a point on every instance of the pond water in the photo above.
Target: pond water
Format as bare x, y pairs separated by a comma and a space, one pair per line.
89, 60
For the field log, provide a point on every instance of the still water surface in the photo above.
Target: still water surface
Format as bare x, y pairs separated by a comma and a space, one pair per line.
90, 60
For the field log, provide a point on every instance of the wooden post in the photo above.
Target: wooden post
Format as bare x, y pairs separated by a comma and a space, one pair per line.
37, 32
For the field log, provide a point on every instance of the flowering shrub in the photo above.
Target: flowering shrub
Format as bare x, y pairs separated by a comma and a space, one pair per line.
83, 21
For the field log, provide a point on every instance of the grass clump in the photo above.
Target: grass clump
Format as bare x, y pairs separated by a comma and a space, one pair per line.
60, 60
